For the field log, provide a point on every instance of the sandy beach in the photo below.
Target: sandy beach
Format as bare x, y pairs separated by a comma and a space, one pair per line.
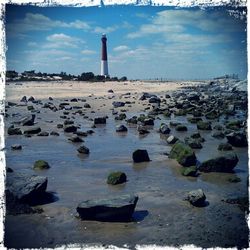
162, 215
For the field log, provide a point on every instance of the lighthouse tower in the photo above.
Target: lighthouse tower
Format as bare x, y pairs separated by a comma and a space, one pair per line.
104, 60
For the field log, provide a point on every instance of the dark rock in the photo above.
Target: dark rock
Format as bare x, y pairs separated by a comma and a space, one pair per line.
234, 179
115, 178
183, 154
41, 164
26, 187
212, 115
154, 99
225, 147
43, 133
164, 129
224, 163
132, 120
196, 198
27, 120
189, 171
204, 125
142, 130
140, 155
118, 209
218, 135
30, 107
100, 120
9, 170
59, 125
148, 122
86, 105
193, 143
193, 96
31, 99
23, 99
75, 138
174, 124
32, 131
110, 91
121, 128
16, 147
118, 104
14, 131
74, 100
180, 112
68, 122
237, 139
194, 119
70, 129
234, 125
181, 128
54, 133
120, 117
83, 150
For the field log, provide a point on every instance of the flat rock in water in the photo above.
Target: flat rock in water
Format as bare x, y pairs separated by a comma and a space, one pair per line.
26, 187
224, 163
16, 147
27, 120
31, 131
114, 209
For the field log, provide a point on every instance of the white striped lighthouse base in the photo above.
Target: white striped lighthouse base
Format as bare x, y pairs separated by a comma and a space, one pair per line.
104, 68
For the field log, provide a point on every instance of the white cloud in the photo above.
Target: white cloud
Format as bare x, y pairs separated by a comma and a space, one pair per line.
88, 52
61, 41
32, 44
105, 30
121, 48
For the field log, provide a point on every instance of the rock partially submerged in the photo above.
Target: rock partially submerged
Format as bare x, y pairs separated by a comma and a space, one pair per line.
32, 131
14, 131
140, 155
100, 120
183, 154
115, 178
224, 163
237, 139
196, 198
119, 209
24, 187
41, 164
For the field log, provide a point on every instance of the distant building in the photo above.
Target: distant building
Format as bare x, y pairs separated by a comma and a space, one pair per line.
104, 59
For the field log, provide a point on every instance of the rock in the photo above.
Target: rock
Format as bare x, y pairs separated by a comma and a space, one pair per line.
174, 124
183, 154
164, 129
9, 170
68, 122
54, 133
193, 143
14, 131
154, 99
204, 125
237, 139
50, 98
26, 187
86, 105
32, 131
121, 128
100, 120
234, 179
225, 147
194, 119
181, 128
27, 120
16, 147
30, 107
193, 96
119, 208
218, 135
120, 117
196, 198
74, 100
148, 122
189, 171
31, 99
70, 129
118, 104
83, 150
167, 113
43, 133
23, 99
110, 91
167, 96
132, 120
145, 96
75, 138
142, 130
81, 133
234, 125
59, 125
41, 164
140, 155
212, 115
224, 163
115, 178
172, 139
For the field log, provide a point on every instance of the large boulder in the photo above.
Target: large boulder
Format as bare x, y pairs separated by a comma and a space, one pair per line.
26, 187
196, 198
140, 155
224, 163
237, 139
70, 129
32, 131
115, 178
183, 154
225, 147
114, 209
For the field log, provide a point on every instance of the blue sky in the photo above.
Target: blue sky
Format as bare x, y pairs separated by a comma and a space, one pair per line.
143, 42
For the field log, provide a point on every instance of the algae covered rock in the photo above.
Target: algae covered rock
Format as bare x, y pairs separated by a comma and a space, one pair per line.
204, 125
115, 178
14, 131
224, 163
225, 147
183, 154
140, 155
41, 164
189, 171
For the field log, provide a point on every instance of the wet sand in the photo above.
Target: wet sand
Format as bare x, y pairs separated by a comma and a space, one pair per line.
162, 216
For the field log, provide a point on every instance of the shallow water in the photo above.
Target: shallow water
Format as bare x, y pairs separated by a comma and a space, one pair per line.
161, 217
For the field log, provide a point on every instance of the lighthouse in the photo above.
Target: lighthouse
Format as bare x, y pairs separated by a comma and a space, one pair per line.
104, 60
